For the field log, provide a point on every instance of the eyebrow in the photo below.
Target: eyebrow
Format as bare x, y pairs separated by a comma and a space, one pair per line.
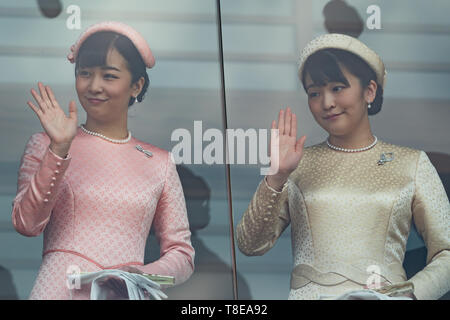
110, 68
316, 85
312, 85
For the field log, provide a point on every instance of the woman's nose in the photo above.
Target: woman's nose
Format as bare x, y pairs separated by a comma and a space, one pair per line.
95, 85
328, 101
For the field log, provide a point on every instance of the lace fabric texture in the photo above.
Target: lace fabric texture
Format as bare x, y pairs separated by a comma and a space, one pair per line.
96, 208
350, 220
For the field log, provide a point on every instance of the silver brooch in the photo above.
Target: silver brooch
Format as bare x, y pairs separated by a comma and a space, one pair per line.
146, 152
385, 157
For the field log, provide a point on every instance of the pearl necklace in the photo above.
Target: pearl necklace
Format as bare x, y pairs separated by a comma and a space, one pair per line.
105, 137
353, 150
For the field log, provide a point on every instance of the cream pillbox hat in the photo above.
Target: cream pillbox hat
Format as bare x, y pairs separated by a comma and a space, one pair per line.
347, 43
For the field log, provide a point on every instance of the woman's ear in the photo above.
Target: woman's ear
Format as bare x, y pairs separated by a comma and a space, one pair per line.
370, 91
137, 86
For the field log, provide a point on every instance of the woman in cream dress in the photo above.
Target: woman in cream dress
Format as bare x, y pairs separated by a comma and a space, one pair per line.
351, 199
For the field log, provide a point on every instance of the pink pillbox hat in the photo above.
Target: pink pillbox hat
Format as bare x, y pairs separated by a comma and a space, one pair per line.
119, 27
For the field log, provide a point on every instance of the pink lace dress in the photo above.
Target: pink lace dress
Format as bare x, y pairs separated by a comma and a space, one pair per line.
96, 208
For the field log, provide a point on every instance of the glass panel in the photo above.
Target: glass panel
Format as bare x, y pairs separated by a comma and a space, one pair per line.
261, 50
260, 76
184, 87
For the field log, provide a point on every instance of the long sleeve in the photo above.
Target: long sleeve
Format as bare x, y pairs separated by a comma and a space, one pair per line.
172, 230
265, 219
40, 174
431, 213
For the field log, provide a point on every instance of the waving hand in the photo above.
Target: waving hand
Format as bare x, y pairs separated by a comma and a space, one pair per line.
59, 127
290, 150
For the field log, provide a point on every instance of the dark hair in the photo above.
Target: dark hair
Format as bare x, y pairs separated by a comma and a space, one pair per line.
325, 66
95, 48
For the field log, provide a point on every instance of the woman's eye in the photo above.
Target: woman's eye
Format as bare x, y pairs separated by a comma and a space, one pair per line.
313, 94
110, 76
338, 88
83, 73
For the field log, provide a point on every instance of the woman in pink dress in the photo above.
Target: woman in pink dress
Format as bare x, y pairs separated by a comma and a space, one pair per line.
95, 190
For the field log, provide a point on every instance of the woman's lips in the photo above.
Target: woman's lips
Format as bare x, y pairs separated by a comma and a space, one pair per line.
332, 117
95, 101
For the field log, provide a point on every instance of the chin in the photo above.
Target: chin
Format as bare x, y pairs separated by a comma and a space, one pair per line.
335, 131
95, 114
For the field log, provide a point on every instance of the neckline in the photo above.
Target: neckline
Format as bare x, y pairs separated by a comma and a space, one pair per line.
130, 139
375, 147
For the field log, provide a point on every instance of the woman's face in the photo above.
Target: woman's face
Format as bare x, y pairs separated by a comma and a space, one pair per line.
339, 108
105, 91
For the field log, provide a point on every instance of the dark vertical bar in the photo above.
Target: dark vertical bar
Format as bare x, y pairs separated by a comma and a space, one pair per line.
227, 165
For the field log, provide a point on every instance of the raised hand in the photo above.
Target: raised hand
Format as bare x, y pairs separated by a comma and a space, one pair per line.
60, 128
290, 150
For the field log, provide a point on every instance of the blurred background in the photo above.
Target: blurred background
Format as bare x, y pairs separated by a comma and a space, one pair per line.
261, 44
